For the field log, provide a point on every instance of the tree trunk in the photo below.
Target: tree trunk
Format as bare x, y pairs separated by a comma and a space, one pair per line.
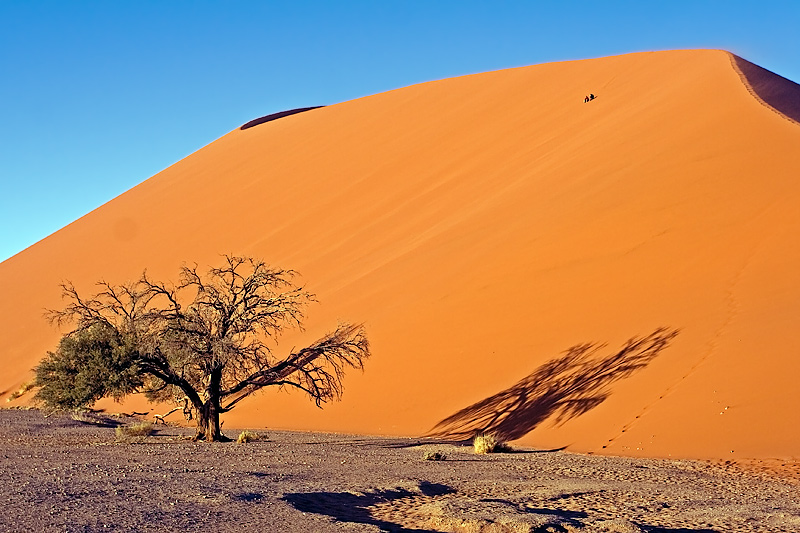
208, 423
208, 414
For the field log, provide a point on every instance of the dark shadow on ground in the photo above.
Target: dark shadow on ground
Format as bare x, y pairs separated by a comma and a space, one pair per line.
564, 388
569, 495
781, 94
416, 444
649, 529
276, 116
252, 497
349, 507
561, 513
97, 419
462, 443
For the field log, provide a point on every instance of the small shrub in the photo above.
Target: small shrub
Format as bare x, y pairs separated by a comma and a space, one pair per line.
134, 432
250, 436
489, 444
434, 455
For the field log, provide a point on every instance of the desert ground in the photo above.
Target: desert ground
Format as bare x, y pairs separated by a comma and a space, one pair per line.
63, 474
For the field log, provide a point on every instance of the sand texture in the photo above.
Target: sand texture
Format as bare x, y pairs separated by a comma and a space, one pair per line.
502, 241
64, 475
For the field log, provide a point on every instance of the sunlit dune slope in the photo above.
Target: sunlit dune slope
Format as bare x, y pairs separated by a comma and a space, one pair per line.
480, 227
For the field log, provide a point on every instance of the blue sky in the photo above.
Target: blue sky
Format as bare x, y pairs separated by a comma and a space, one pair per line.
97, 96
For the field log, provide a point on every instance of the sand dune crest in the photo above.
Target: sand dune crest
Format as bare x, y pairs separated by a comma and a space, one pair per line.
773, 90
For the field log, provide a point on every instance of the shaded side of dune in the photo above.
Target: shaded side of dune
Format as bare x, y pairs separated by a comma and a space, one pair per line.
276, 116
775, 91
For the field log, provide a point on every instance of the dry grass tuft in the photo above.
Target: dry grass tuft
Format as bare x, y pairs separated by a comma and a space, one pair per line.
84, 417
489, 444
135, 432
434, 455
25, 387
250, 436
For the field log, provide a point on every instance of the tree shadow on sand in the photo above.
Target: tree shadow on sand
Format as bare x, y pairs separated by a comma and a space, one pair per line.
564, 388
355, 508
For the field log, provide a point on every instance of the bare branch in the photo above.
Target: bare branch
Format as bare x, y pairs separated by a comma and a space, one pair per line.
318, 369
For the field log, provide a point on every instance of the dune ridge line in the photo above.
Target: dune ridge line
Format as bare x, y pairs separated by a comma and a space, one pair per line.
773, 91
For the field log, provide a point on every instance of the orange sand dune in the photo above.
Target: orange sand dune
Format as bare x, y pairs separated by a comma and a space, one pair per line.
483, 225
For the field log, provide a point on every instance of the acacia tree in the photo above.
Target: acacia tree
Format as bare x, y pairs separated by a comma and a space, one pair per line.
211, 337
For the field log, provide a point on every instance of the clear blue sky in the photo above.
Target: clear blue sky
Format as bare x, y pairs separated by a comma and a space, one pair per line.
97, 96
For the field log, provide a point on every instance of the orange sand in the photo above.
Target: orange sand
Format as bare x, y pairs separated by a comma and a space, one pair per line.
482, 225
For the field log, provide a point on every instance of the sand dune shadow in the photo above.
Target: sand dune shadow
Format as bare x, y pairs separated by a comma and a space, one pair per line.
777, 92
276, 116
564, 388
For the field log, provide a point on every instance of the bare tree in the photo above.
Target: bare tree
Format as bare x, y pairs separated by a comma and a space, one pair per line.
211, 338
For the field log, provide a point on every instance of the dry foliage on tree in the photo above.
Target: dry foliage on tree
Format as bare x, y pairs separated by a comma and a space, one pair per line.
210, 338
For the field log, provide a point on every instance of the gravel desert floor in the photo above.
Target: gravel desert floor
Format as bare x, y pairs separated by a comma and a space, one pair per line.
62, 474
